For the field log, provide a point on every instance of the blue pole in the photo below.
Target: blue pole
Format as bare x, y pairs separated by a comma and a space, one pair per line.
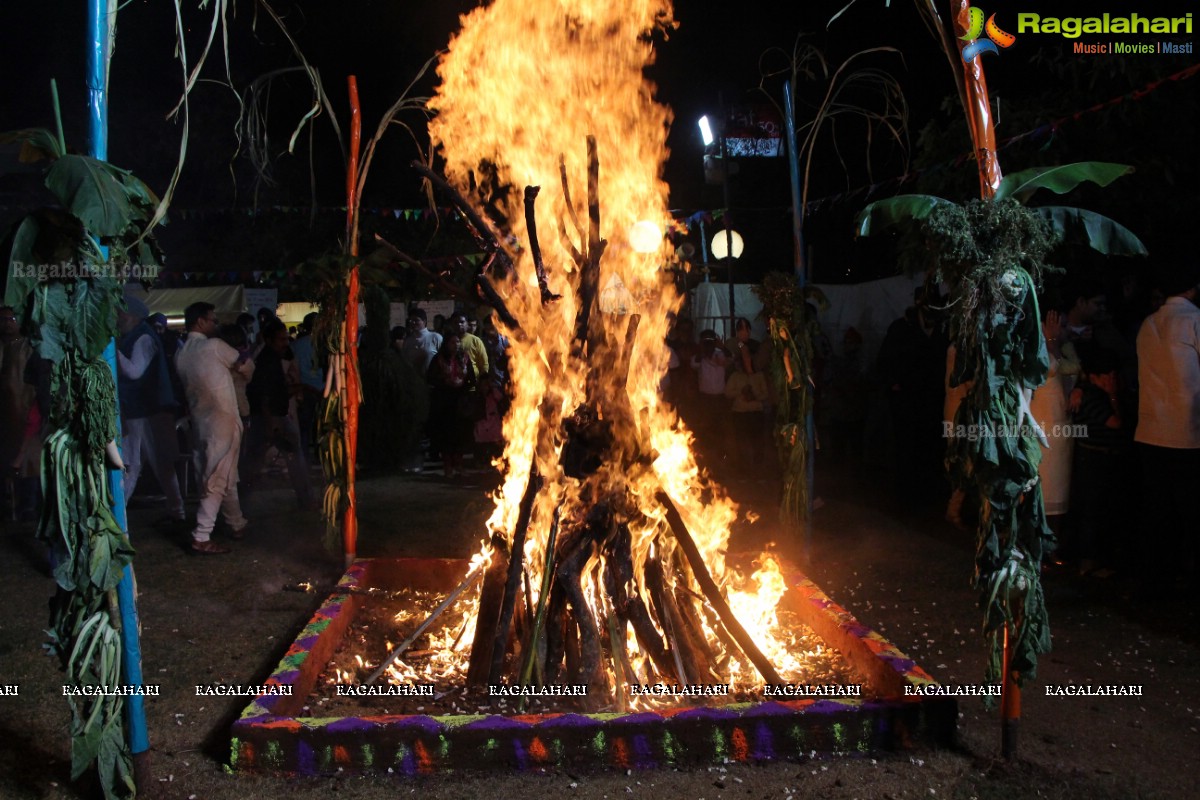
801, 269
99, 28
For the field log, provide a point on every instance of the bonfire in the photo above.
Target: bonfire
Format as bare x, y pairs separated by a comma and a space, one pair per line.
604, 564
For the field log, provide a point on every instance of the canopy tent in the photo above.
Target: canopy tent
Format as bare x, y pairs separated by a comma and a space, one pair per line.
228, 300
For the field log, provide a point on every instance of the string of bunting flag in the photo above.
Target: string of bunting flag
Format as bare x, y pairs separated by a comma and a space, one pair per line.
173, 279
682, 219
409, 214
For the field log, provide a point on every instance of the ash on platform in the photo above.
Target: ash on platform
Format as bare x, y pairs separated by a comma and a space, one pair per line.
436, 691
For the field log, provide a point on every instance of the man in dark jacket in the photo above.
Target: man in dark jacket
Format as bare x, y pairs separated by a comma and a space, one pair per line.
148, 405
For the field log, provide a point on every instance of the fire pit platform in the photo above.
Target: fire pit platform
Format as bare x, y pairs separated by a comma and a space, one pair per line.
271, 734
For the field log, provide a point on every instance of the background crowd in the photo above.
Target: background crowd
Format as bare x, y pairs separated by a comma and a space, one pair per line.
215, 410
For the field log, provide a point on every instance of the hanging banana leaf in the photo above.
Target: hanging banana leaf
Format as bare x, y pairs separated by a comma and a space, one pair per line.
1060, 180
110, 201
1097, 231
900, 210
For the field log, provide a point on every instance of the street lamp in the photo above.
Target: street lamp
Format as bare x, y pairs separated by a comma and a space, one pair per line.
727, 242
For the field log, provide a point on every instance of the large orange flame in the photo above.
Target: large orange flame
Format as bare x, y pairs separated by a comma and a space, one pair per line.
523, 85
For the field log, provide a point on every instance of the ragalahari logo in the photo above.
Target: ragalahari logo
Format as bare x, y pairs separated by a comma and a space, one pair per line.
975, 46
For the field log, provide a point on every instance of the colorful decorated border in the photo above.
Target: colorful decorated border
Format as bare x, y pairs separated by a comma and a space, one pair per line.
270, 736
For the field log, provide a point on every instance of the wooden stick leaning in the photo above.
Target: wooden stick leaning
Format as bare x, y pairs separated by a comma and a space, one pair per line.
516, 561
487, 613
713, 594
446, 286
489, 238
468, 581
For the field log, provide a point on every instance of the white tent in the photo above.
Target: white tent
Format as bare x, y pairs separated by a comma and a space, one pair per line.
228, 300
868, 307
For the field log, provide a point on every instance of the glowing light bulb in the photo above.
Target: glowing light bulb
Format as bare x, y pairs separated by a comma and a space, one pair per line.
720, 244
645, 237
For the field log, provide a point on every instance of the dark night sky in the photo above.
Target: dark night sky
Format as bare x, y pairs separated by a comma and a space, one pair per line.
713, 53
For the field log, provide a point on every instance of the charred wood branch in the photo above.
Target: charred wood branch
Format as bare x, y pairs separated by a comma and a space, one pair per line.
535, 249
486, 291
487, 619
593, 190
512, 585
557, 623
713, 594
625, 357
576, 253
570, 576
618, 576
438, 280
688, 663
567, 244
589, 440
489, 237
589, 278
492, 297
694, 631
687, 599
589, 289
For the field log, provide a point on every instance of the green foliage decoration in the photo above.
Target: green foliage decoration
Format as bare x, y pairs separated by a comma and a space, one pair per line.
794, 331
993, 254
67, 291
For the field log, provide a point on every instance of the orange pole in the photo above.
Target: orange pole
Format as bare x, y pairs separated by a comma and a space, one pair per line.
350, 520
983, 137
979, 109
1010, 702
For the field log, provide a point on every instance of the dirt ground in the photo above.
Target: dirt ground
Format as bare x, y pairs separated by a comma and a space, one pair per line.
905, 573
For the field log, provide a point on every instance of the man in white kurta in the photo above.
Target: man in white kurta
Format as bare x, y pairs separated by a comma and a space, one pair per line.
205, 365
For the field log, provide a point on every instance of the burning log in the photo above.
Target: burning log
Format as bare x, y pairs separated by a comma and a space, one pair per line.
437, 612
566, 188
621, 667
513, 583
618, 575
689, 662
685, 602
570, 576
713, 593
487, 618
557, 635
535, 250
589, 279
535, 657
486, 235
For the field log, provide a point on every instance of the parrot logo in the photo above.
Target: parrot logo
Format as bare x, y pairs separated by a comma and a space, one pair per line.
975, 26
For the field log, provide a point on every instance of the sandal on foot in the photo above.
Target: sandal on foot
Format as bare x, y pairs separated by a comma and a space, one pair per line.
208, 548
240, 533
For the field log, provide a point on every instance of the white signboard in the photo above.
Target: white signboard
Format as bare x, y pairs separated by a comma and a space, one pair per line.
261, 298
